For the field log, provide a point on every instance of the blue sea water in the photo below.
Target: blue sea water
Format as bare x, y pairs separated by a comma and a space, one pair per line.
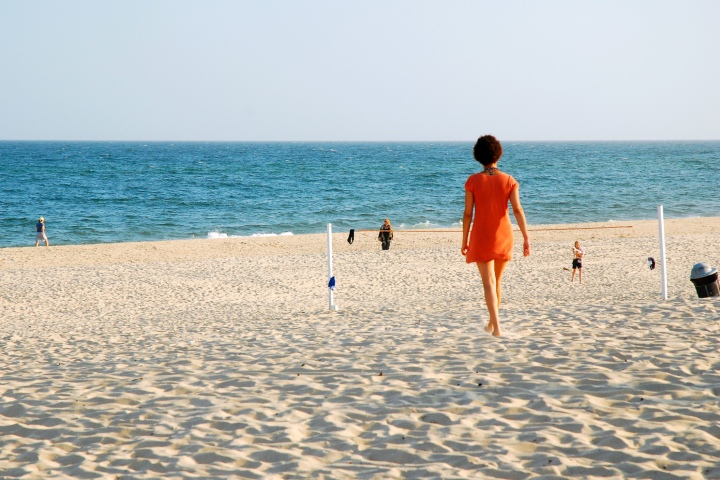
96, 192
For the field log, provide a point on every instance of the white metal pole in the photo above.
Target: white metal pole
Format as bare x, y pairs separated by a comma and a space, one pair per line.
330, 271
663, 267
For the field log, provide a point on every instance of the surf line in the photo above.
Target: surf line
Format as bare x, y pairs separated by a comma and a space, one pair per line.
575, 228
529, 229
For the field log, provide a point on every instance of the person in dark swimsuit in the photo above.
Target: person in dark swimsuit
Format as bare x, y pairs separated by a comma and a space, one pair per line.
386, 234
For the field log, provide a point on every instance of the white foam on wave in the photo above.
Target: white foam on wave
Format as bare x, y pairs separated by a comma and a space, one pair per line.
426, 224
419, 226
283, 234
219, 234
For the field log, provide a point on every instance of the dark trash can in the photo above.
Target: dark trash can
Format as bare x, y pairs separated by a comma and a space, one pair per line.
705, 279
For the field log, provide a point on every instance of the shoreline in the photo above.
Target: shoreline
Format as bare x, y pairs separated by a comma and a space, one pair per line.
536, 227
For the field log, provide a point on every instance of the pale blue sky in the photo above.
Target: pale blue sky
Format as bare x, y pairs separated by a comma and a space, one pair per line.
374, 70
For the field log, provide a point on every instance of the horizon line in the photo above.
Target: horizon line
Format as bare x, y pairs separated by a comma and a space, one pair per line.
361, 141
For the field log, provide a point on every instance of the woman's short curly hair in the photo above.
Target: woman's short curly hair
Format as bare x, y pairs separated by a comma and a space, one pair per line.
487, 150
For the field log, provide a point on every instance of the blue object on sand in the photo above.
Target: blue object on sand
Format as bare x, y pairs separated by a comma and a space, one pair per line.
331, 283
651, 263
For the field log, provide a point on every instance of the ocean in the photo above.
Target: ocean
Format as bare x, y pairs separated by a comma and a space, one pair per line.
98, 192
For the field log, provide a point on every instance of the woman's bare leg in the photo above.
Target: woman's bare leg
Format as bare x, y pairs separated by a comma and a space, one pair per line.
487, 273
499, 269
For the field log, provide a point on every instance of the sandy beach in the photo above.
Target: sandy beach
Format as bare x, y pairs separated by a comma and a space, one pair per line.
221, 359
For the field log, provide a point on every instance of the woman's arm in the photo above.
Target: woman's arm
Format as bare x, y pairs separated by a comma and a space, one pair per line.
467, 220
520, 218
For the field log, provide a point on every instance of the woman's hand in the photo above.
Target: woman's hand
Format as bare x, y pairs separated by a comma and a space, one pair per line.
526, 248
464, 250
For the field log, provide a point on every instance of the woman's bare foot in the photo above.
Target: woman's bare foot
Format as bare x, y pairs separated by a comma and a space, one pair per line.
490, 329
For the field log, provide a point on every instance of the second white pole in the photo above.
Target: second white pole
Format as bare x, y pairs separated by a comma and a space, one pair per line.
663, 267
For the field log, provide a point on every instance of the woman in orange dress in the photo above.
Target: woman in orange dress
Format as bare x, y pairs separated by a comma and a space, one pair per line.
486, 207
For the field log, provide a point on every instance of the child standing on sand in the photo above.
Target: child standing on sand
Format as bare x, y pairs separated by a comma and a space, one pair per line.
578, 253
490, 243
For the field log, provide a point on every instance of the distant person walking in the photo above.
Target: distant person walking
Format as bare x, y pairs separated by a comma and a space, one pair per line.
490, 243
578, 254
40, 232
386, 234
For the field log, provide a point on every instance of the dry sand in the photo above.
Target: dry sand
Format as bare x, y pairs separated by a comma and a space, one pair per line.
220, 358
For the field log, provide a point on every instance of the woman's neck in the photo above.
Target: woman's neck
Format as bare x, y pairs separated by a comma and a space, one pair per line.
490, 169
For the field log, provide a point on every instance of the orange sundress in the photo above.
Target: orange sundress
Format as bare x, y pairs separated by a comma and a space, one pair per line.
491, 235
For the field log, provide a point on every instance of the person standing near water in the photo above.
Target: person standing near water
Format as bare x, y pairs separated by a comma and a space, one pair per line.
578, 253
490, 243
40, 232
386, 234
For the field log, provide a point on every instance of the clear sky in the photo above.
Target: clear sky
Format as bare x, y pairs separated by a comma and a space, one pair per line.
372, 70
